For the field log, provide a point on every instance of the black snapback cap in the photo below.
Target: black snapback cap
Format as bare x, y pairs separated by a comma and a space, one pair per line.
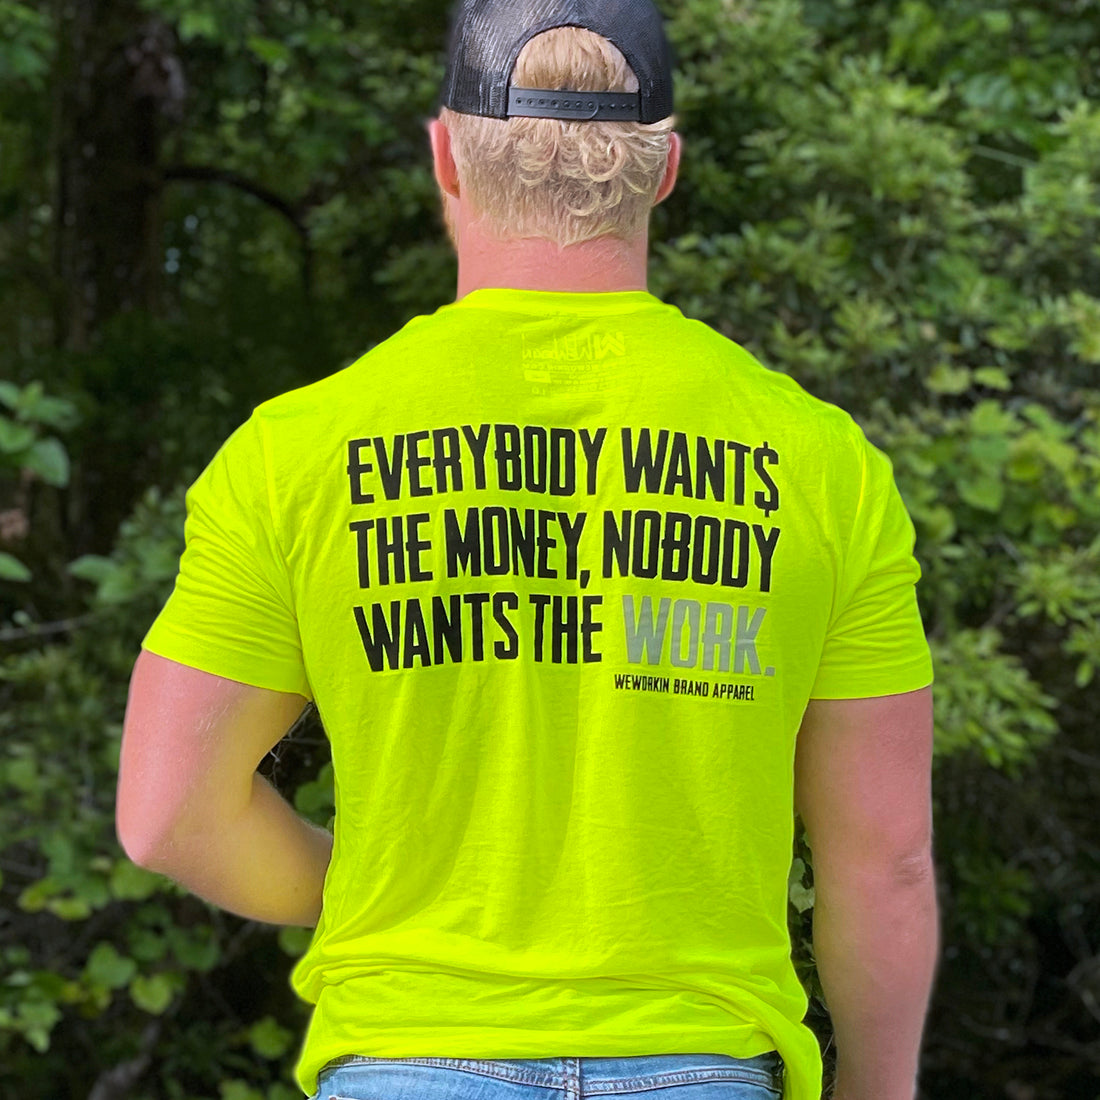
487, 36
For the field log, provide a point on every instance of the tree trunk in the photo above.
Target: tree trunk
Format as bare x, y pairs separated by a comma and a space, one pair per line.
119, 81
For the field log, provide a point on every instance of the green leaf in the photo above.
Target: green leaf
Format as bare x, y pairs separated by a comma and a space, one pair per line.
268, 1039
32, 406
993, 377
36, 1020
22, 773
269, 50
49, 985
937, 522
317, 795
92, 567
197, 24
129, 882
119, 586
70, 908
12, 569
195, 948
106, 967
61, 849
984, 493
1025, 467
50, 461
146, 945
36, 896
295, 941
154, 993
989, 451
947, 379
53, 412
989, 418
14, 438
801, 896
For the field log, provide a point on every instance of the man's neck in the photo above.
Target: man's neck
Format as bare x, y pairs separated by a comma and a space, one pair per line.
604, 265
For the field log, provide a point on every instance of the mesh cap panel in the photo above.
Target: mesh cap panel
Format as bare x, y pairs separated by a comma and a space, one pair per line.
487, 36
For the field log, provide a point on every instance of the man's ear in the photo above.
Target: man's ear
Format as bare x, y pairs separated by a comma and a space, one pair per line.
675, 146
446, 173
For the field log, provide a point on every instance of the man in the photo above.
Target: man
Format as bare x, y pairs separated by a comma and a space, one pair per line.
570, 579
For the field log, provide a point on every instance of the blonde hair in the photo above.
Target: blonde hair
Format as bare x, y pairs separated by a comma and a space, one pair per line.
564, 181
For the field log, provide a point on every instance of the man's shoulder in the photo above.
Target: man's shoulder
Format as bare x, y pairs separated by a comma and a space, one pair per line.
768, 383
311, 398
332, 393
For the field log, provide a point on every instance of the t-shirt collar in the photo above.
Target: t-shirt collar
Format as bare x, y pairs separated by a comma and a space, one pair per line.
510, 300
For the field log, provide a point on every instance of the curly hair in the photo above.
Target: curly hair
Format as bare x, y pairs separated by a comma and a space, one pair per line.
564, 181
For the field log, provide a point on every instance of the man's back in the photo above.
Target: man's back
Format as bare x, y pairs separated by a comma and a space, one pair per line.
561, 573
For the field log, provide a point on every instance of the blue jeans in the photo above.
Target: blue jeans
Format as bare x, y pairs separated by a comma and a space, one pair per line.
652, 1076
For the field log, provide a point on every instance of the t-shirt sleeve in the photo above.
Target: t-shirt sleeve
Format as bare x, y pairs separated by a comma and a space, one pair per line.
231, 612
876, 643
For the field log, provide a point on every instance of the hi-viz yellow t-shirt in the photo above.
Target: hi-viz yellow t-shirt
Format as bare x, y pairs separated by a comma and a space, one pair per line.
560, 572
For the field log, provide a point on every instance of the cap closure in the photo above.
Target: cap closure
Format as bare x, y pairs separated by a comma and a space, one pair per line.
576, 106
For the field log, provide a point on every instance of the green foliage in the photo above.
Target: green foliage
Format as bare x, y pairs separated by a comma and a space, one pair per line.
117, 950
28, 42
27, 455
140, 571
897, 204
316, 799
12, 569
986, 701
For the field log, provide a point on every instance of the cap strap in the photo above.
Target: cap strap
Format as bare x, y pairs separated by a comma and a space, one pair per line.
579, 106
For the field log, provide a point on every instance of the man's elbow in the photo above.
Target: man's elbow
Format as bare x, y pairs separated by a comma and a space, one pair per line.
149, 839
140, 846
876, 864
915, 867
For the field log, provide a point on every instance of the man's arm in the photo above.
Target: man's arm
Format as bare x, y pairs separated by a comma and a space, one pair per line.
192, 806
863, 789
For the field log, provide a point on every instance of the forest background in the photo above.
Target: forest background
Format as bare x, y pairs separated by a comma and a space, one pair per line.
204, 203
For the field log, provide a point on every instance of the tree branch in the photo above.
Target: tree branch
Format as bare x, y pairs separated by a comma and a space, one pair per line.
41, 630
205, 173
201, 173
118, 1082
